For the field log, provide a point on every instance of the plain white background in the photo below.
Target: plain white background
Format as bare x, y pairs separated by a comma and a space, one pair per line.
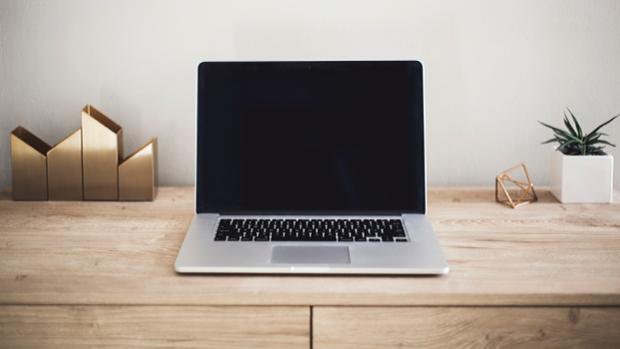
493, 69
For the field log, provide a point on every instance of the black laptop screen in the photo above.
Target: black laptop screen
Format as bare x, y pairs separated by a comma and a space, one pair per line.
310, 137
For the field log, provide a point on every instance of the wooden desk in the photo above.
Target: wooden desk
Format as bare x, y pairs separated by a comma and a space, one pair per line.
79, 274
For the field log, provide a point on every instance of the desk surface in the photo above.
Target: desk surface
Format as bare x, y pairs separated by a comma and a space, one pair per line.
123, 253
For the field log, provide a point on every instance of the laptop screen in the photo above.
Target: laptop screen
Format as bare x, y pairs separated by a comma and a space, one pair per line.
310, 137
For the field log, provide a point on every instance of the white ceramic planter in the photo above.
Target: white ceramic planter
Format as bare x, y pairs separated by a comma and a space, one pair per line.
582, 178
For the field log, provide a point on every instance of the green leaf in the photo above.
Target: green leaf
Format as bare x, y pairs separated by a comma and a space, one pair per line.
569, 126
593, 140
592, 150
546, 125
606, 142
591, 136
566, 145
554, 139
579, 131
603, 124
560, 132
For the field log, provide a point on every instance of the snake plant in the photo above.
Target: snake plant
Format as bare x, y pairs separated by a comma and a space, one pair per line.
573, 141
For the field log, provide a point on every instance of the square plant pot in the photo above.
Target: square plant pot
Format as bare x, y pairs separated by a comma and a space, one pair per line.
582, 178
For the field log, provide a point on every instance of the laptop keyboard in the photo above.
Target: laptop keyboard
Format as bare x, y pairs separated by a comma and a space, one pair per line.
339, 230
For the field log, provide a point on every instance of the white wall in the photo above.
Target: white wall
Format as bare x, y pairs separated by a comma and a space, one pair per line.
493, 68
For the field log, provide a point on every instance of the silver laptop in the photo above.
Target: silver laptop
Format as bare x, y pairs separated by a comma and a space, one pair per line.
311, 168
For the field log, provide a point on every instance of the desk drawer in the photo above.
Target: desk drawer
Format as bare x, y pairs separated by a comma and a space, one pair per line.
154, 326
458, 327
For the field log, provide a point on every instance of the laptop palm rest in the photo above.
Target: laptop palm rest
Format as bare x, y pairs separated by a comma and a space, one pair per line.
310, 255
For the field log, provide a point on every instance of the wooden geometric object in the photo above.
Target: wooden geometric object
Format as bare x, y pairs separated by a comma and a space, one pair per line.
102, 148
64, 168
514, 187
29, 165
137, 174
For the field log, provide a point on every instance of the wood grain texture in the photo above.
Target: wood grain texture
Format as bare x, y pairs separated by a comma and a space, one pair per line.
546, 253
465, 327
153, 327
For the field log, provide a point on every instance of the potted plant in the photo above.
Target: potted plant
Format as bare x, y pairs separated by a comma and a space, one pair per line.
580, 170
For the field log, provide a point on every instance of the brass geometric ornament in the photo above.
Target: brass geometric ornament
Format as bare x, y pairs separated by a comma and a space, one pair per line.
514, 187
64, 169
137, 174
102, 150
29, 165
86, 165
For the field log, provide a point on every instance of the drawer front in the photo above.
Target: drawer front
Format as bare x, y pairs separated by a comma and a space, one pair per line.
465, 327
154, 326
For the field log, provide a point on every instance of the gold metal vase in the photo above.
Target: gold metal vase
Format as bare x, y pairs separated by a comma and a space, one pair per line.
137, 174
64, 168
29, 165
86, 165
102, 148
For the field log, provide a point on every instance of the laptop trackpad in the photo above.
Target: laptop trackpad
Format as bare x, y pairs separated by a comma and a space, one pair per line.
310, 254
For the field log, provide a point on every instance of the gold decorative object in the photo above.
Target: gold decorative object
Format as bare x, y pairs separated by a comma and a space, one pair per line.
512, 190
28, 161
102, 148
137, 174
84, 166
64, 168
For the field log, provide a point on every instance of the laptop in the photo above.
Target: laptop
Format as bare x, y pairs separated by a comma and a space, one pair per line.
310, 168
